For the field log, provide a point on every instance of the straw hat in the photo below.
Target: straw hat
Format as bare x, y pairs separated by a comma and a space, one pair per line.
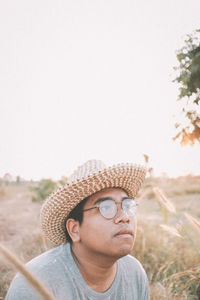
88, 179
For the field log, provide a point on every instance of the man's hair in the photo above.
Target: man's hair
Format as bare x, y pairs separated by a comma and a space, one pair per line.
77, 215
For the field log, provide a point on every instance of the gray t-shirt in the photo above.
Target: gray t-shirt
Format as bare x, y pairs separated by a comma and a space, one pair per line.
58, 272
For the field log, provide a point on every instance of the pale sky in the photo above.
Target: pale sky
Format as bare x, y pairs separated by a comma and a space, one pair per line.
84, 79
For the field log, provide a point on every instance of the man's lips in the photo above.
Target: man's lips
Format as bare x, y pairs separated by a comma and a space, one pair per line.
124, 233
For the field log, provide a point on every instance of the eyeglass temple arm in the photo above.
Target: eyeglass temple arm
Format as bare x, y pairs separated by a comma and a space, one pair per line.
89, 208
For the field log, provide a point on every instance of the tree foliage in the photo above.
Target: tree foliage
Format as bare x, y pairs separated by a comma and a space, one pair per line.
43, 190
188, 79
45, 187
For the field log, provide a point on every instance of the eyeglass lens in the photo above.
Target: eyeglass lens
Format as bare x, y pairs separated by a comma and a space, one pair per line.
108, 208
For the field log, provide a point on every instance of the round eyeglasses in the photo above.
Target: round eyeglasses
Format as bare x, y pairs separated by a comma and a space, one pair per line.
108, 208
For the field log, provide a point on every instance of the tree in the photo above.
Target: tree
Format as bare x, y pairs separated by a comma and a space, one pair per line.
188, 79
43, 190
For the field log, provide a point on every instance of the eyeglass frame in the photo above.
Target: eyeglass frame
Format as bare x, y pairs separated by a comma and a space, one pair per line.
101, 200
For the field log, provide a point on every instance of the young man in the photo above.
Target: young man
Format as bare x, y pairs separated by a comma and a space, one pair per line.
93, 220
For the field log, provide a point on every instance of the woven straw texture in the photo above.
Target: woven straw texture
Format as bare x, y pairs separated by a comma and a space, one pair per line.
88, 179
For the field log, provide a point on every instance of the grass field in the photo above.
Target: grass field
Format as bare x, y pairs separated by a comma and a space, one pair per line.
167, 243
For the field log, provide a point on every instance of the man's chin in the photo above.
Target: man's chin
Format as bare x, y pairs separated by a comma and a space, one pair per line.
124, 250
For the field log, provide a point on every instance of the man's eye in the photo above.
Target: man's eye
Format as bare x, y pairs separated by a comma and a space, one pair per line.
126, 206
105, 207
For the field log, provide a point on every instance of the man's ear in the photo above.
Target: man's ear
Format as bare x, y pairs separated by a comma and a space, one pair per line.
73, 228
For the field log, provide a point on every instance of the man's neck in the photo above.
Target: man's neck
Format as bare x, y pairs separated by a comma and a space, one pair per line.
98, 271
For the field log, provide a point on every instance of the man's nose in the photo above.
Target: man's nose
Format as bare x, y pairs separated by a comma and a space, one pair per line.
122, 216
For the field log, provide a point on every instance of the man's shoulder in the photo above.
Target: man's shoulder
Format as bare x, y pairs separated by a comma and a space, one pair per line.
133, 273
131, 260
48, 267
47, 259
131, 266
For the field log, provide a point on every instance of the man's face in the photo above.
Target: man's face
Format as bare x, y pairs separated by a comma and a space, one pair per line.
109, 237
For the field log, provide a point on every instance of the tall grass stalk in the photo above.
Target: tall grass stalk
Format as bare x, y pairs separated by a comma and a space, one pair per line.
164, 200
171, 230
166, 207
39, 287
193, 221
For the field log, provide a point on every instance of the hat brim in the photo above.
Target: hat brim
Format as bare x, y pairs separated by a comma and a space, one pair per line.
59, 204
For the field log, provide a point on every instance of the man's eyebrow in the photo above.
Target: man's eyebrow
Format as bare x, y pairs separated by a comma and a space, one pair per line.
107, 198
102, 199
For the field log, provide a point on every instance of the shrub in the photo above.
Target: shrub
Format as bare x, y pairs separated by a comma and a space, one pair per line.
43, 190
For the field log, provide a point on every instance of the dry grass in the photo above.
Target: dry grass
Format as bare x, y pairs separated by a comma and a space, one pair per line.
166, 258
172, 263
